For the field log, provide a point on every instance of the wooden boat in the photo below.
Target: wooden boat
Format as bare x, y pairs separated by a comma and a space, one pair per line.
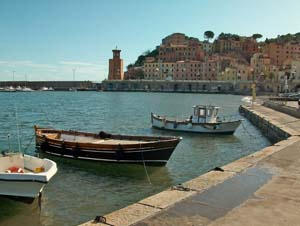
106, 147
24, 175
204, 120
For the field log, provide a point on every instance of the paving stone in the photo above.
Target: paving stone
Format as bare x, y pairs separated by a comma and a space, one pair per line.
207, 180
166, 198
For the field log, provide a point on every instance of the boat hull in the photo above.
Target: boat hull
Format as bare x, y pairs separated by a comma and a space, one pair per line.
28, 189
28, 184
187, 126
152, 153
150, 157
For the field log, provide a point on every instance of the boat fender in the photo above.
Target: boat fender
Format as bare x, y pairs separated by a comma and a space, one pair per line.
104, 135
119, 153
63, 148
44, 146
14, 169
76, 151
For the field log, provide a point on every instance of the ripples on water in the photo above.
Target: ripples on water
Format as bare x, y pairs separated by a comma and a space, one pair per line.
81, 190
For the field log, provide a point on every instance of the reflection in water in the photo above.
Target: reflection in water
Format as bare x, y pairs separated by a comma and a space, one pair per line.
16, 212
81, 190
113, 170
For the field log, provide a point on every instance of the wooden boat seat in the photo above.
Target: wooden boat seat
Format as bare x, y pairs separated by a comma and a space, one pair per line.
53, 135
85, 139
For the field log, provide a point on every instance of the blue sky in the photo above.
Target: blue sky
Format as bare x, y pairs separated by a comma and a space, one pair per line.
46, 39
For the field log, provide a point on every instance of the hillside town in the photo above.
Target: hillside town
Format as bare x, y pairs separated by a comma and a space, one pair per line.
274, 64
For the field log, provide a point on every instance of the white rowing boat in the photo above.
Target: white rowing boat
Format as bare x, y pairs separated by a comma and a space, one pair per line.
24, 175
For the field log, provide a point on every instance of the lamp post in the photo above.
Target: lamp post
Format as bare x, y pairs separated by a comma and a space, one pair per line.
253, 87
157, 72
13, 77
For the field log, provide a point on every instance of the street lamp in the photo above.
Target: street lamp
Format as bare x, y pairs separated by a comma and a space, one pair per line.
157, 72
286, 85
184, 69
253, 87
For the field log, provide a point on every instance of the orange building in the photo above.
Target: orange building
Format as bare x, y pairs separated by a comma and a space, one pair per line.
280, 52
116, 66
179, 47
246, 46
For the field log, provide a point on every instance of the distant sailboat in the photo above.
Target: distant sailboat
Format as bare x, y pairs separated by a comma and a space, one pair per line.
25, 88
9, 89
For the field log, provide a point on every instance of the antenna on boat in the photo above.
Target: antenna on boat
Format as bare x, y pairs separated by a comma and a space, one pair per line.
8, 139
18, 129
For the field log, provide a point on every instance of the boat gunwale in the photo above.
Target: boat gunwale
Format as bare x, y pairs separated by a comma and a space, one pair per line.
160, 142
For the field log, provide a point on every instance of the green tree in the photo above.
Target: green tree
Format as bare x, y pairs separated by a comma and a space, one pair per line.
257, 36
141, 59
129, 66
209, 35
226, 36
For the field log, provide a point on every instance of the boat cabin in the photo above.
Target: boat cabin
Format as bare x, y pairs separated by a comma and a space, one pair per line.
205, 114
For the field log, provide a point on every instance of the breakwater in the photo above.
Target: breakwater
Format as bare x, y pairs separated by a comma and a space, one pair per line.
56, 85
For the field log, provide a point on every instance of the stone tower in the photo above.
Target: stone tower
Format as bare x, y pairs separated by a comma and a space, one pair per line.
116, 66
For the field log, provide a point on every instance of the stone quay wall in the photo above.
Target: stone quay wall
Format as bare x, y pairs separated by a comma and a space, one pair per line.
168, 86
273, 132
190, 86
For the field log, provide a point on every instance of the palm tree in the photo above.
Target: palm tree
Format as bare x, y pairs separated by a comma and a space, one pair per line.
209, 35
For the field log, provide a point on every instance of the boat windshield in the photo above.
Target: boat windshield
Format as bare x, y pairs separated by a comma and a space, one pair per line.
216, 112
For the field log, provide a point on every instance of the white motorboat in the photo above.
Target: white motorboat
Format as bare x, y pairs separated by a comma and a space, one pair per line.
27, 89
19, 88
204, 120
24, 175
46, 89
9, 89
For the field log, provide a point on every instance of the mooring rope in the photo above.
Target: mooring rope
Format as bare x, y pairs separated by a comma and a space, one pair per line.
145, 164
47, 118
29, 144
251, 135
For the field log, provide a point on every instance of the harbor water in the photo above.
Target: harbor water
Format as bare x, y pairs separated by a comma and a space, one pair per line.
82, 190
